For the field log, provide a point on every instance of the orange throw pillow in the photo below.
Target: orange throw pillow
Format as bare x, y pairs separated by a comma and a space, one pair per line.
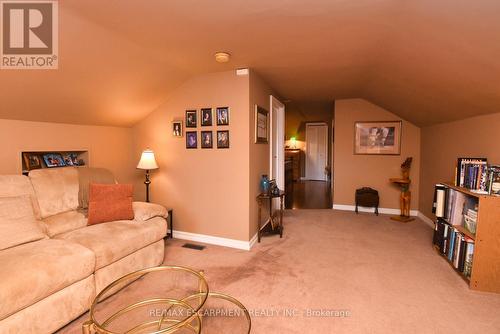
110, 202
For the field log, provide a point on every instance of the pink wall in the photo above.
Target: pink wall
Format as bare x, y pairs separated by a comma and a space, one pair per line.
355, 171
442, 144
207, 188
108, 147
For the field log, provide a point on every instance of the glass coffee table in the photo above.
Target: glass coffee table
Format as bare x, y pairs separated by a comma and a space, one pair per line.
166, 299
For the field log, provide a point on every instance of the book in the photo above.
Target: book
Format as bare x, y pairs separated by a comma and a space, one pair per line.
469, 255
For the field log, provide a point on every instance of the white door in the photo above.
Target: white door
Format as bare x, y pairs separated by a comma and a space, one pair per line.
277, 148
316, 151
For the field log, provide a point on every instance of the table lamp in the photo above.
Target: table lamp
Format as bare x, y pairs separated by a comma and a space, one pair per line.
147, 163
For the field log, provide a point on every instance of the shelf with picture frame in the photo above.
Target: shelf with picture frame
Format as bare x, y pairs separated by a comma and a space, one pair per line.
35, 159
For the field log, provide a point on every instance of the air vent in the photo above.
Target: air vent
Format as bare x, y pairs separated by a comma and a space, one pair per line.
194, 246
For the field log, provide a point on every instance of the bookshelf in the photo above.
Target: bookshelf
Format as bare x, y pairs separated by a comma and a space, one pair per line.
485, 275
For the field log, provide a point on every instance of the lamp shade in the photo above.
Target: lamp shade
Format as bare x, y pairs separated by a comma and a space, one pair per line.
147, 161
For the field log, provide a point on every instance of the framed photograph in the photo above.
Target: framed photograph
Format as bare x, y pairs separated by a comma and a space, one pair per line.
207, 139
206, 117
53, 160
191, 139
32, 161
177, 128
261, 125
377, 138
223, 139
223, 116
191, 119
71, 159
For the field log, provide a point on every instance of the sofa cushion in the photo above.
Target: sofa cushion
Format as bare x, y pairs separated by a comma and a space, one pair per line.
110, 202
64, 222
33, 271
17, 222
115, 240
144, 211
18, 185
56, 189
88, 175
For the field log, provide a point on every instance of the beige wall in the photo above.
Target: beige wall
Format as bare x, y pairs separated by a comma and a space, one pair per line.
442, 144
356, 171
259, 153
207, 188
108, 147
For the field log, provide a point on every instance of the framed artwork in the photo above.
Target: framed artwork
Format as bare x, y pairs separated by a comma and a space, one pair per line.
261, 125
223, 116
32, 161
207, 139
191, 139
177, 128
206, 117
71, 159
223, 139
377, 138
191, 119
53, 160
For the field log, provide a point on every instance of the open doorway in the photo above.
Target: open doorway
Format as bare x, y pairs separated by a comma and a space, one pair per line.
308, 155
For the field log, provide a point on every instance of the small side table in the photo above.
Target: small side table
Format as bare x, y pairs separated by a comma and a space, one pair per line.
170, 223
276, 227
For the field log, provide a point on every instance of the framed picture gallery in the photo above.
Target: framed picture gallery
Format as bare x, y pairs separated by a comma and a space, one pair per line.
207, 119
381, 138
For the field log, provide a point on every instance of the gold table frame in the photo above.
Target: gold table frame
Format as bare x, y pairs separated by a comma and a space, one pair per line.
93, 326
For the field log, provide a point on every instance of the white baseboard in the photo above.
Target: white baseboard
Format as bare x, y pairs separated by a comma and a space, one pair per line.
209, 239
413, 213
426, 219
386, 211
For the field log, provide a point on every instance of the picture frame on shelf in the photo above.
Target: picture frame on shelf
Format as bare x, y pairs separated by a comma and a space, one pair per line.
377, 138
191, 139
53, 160
177, 128
222, 116
32, 161
191, 119
207, 139
261, 125
206, 115
223, 139
71, 159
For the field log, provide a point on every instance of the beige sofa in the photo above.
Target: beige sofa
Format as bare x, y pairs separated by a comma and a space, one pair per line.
52, 279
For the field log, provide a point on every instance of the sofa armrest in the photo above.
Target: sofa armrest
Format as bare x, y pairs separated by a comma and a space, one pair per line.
144, 211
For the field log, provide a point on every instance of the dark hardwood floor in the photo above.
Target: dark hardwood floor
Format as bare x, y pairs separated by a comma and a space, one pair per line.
310, 195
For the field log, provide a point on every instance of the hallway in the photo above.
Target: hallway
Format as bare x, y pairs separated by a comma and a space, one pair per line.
310, 195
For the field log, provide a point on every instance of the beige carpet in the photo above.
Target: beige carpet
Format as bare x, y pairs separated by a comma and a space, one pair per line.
384, 275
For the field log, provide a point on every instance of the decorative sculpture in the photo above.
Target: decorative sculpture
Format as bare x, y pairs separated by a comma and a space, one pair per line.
405, 199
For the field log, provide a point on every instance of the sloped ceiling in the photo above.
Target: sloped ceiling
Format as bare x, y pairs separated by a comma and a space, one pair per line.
427, 61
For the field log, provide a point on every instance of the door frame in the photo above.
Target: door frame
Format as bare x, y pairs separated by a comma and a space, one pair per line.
279, 128
326, 149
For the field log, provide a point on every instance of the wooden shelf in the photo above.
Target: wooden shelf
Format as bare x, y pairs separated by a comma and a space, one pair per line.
466, 191
486, 261
465, 231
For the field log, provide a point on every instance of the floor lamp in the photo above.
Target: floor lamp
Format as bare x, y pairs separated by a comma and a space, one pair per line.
147, 163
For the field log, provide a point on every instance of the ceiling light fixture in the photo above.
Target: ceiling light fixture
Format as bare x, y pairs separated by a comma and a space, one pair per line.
222, 57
